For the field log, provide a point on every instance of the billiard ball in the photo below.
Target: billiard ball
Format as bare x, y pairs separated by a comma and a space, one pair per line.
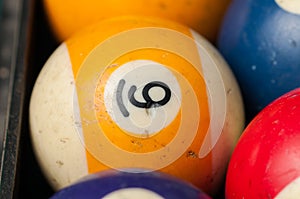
68, 16
116, 184
266, 160
136, 92
261, 42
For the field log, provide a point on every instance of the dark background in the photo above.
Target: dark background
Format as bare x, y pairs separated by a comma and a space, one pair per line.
30, 182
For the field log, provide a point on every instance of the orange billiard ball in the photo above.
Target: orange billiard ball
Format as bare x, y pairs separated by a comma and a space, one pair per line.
68, 16
135, 92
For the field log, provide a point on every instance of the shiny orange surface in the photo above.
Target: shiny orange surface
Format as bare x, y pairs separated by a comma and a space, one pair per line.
69, 16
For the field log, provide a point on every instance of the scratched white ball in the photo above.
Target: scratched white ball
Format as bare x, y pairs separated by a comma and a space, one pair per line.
136, 93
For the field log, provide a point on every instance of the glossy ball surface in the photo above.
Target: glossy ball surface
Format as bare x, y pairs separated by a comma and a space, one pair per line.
115, 185
68, 16
261, 42
266, 160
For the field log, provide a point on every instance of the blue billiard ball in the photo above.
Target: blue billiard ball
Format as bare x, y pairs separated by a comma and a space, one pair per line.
260, 39
117, 184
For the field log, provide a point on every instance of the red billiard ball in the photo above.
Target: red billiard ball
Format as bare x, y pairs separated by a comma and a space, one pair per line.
266, 160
